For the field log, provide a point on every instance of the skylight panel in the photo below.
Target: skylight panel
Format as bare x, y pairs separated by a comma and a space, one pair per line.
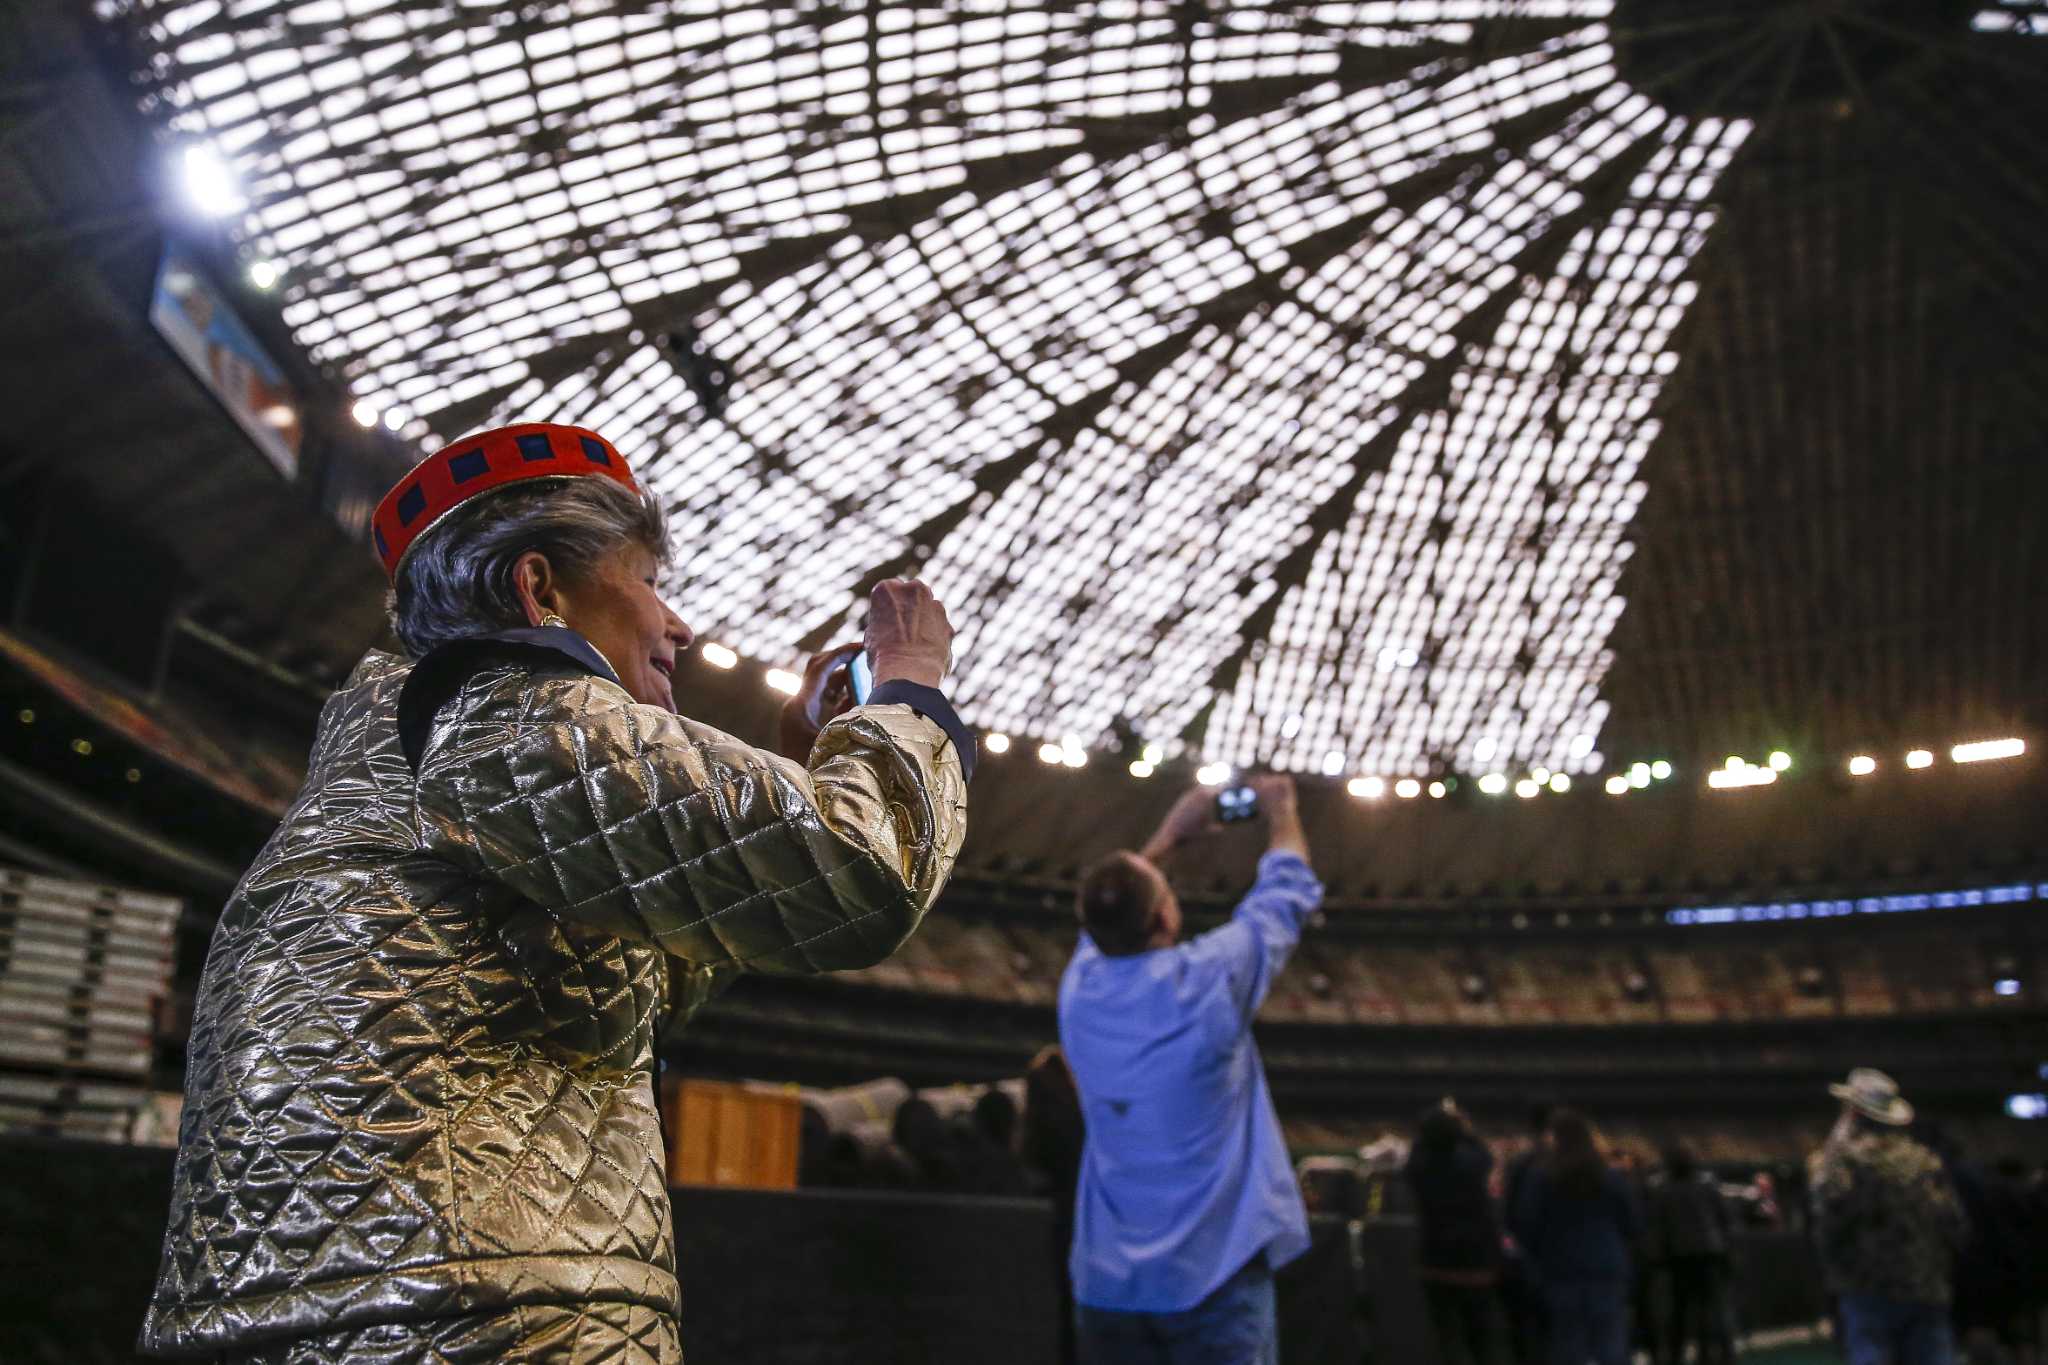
1254, 408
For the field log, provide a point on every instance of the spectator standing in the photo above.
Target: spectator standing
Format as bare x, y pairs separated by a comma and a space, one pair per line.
1689, 1233
1053, 1139
1187, 1202
1459, 1254
1888, 1226
1578, 1222
1529, 1329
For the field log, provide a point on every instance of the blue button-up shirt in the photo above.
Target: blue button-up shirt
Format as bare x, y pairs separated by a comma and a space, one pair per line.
1185, 1175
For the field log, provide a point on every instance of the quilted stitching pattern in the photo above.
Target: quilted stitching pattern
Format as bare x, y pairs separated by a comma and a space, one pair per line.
595, 1334
419, 1076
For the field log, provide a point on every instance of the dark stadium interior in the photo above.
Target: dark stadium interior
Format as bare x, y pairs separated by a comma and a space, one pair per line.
1839, 551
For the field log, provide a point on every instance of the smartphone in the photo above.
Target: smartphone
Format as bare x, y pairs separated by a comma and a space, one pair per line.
1236, 803
860, 681
860, 676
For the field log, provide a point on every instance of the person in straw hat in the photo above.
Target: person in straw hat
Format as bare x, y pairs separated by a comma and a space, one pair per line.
1888, 1225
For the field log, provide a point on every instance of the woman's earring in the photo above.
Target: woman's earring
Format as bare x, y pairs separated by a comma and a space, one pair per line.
550, 619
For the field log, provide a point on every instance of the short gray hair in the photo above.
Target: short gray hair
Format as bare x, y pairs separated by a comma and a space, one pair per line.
457, 578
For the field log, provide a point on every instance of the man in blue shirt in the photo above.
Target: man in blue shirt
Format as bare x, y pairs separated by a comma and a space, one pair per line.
1187, 1202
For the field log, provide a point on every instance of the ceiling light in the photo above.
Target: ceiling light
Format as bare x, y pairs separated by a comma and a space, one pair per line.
1074, 758
1780, 760
1366, 788
1985, 749
1727, 778
1736, 763
1617, 785
1582, 745
1639, 775
1919, 758
394, 420
717, 655
1333, 763
1140, 768
364, 412
1153, 754
1483, 751
1437, 789
1560, 783
1493, 784
1527, 788
265, 274
2006, 985
1407, 788
1660, 770
1052, 753
210, 184
784, 681
1863, 765
996, 742
1539, 775
1213, 774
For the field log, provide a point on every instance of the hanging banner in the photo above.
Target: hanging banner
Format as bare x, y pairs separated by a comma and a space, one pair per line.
195, 318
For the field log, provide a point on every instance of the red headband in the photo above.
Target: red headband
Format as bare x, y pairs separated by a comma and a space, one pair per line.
477, 464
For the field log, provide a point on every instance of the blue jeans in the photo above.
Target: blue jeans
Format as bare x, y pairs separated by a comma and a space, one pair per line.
1587, 1322
1235, 1325
1882, 1331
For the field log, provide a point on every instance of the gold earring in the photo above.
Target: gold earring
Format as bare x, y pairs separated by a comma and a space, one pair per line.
550, 619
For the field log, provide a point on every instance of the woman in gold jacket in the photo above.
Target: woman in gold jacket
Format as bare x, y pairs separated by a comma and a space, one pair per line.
420, 1120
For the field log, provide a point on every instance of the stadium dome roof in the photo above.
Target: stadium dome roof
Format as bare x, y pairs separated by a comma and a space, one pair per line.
1358, 388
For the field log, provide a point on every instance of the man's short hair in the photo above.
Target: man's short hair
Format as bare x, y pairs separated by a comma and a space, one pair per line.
1116, 904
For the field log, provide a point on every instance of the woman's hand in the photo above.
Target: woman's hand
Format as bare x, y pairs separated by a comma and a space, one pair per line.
909, 636
826, 694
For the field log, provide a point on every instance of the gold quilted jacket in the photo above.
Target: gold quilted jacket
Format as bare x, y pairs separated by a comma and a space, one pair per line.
419, 1080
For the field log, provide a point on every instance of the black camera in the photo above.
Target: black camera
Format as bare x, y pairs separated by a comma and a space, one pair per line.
1237, 803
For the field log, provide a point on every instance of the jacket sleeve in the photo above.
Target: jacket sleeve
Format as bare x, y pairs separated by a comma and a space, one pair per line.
647, 826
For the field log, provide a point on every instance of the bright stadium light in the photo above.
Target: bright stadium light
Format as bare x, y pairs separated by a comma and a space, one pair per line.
1779, 760
1660, 770
783, 681
1919, 758
210, 184
265, 274
1724, 779
1153, 754
1213, 774
365, 413
1639, 775
1863, 765
1493, 784
1052, 753
1437, 790
1333, 763
996, 742
1140, 768
717, 655
1560, 783
1986, 749
1527, 787
1617, 785
1024, 322
1367, 788
1408, 788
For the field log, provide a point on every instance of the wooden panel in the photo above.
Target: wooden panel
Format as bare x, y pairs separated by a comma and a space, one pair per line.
727, 1134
